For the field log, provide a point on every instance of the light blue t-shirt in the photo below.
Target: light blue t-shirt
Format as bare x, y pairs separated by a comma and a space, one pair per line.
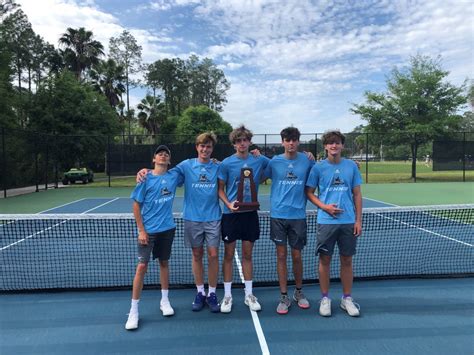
155, 196
335, 183
288, 199
201, 200
229, 172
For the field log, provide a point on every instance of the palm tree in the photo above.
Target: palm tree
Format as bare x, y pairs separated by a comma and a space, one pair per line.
152, 114
108, 78
81, 51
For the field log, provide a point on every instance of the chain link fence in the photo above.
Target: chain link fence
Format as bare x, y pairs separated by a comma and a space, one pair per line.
39, 161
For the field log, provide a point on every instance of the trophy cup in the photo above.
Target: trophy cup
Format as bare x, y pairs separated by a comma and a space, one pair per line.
247, 192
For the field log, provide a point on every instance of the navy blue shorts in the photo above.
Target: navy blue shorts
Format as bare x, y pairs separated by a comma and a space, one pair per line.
240, 226
330, 234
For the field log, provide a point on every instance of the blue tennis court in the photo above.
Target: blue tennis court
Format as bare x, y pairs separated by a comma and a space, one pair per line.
124, 205
86, 248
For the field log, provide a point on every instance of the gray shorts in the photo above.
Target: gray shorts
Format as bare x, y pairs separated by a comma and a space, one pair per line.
196, 232
291, 231
329, 234
159, 244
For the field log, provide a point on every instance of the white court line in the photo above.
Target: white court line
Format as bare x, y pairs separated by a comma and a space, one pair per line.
69, 203
92, 209
385, 203
57, 224
425, 230
32, 235
256, 321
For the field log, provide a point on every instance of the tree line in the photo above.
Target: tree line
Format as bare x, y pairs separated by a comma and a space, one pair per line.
76, 88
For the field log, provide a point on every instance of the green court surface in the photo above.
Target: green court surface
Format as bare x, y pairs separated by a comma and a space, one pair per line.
408, 194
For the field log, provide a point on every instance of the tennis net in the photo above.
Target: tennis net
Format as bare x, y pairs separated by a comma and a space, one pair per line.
92, 251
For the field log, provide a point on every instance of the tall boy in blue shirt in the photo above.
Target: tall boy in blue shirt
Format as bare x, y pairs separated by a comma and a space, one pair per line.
339, 217
236, 224
289, 172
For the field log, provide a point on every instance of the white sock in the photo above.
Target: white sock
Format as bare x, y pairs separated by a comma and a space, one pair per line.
228, 289
164, 296
211, 290
248, 287
200, 288
134, 307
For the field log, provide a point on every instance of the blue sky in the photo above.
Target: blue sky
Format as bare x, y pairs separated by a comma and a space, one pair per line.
295, 62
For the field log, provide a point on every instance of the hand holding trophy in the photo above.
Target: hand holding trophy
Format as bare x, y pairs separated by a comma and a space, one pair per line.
247, 191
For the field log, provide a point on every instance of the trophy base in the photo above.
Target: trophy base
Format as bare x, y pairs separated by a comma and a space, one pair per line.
248, 206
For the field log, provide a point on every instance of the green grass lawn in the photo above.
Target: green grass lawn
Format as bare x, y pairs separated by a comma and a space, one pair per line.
399, 171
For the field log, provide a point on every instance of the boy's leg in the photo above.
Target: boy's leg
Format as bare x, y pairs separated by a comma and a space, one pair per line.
143, 252
297, 267
247, 264
227, 269
162, 251
346, 274
247, 268
138, 280
282, 254
213, 265
227, 265
347, 245
165, 305
164, 274
324, 273
212, 236
197, 266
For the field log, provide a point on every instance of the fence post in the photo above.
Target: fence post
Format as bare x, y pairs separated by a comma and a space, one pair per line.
36, 164
4, 164
464, 157
107, 160
415, 157
316, 147
367, 158
46, 166
56, 148
265, 146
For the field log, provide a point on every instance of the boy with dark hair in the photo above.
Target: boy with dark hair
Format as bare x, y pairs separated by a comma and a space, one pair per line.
339, 218
152, 208
236, 224
202, 217
289, 172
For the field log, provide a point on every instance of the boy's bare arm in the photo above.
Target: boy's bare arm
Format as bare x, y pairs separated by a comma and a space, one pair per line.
142, 234
223, 196
358, 210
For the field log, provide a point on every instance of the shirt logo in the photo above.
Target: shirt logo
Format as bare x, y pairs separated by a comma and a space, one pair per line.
337, 181
203, 178
290, 175
165, 191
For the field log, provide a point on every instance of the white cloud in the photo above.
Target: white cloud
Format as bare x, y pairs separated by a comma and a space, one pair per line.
51, 18
299, 62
